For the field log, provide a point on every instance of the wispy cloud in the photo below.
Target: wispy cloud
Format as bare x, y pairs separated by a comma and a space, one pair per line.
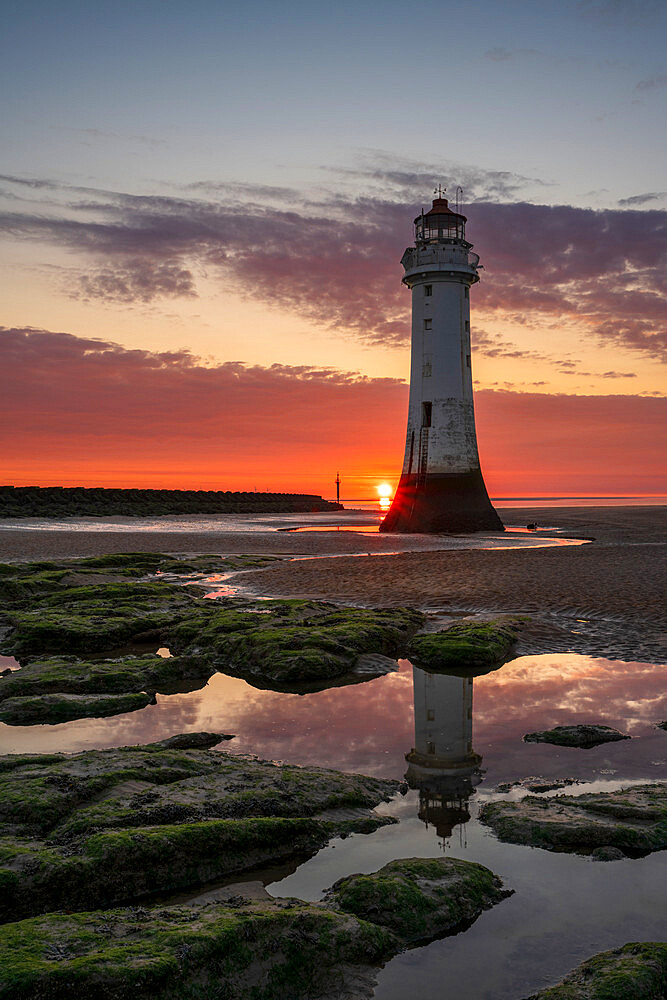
642, 199
333, 257
655, 82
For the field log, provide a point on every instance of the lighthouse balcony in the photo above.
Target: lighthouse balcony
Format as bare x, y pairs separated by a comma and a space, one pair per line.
440, 257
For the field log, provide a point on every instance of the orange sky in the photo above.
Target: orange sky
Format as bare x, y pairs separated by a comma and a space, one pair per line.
204, 208
90, 413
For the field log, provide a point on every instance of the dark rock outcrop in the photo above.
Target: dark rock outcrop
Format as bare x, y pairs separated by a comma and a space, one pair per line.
633, 972
79, 501
584, 737
633, 820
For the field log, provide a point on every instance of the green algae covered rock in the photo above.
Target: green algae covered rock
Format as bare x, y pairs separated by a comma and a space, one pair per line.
65, 621
291, 642
50, 709
106, 827
235, 945
96, 618
249, 951
633, 972
633, 820
69, 675
585, 737
419, 898
467, 645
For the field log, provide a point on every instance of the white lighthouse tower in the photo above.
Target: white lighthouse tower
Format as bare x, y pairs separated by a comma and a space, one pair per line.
441, 487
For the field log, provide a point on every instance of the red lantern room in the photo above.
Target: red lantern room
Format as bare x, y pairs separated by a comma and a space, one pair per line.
440, 224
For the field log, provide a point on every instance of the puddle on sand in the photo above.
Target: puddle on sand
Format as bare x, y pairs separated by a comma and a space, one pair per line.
511, 538
368, 727
565, 907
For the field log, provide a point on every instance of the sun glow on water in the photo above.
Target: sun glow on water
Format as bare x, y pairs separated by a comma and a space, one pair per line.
385, 493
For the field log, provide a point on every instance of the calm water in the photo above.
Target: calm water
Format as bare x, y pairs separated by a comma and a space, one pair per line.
564, 909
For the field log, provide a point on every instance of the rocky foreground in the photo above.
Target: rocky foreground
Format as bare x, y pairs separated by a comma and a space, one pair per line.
100, 834
632, 821
82, 630
240, 948
633, 972
110, 827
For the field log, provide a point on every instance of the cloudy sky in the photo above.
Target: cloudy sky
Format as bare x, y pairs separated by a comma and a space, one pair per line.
203, 207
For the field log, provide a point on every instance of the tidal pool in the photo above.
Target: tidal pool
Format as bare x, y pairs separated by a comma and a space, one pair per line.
565, 907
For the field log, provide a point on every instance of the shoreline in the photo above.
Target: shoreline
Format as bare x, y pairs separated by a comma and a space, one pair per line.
605, 597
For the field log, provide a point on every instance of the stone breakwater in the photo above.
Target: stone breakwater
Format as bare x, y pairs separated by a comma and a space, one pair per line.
78, 501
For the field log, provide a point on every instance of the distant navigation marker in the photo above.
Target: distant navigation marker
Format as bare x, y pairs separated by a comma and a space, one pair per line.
338, 487
441, 487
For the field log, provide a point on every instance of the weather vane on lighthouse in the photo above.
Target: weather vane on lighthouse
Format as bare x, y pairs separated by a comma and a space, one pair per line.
441, 487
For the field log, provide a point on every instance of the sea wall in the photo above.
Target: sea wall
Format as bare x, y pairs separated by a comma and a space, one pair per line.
64, 501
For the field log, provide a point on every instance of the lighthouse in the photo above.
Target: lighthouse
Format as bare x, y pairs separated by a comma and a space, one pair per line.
441, 487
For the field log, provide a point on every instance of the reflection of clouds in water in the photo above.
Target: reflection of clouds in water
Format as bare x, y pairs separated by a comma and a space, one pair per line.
369, 727
555, 689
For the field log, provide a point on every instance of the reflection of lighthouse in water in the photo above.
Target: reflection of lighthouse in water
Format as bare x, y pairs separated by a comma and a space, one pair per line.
442, 764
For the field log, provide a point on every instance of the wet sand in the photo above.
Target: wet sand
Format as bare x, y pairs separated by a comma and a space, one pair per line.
617, 583
622, 572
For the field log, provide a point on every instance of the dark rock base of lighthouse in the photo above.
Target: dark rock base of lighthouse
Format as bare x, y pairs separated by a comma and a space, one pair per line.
453, 503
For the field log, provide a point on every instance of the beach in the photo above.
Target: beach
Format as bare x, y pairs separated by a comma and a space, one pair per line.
586, 592
616, 582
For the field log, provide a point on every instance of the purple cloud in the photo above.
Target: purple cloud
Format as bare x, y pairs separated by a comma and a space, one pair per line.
335, 260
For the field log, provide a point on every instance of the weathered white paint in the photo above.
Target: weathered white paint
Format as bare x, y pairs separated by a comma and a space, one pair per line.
441, 368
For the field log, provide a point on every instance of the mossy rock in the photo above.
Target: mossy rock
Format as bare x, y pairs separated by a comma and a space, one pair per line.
633, 972
97, 618
633, 820
294, 642
120, 675
465, 646
49, 709
250, 951
111, 826
584, 737
419, 898
80, 607
242, 948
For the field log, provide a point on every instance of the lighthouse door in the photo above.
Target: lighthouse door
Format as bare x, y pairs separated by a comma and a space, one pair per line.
423, 453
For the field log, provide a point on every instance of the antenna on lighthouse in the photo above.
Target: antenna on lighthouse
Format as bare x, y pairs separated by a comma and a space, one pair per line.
459, 199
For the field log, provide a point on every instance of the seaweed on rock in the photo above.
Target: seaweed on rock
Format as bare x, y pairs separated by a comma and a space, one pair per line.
466, 646
239, 948
62, 616
49, 709
633, 972
633, 820
419, 898
105, 827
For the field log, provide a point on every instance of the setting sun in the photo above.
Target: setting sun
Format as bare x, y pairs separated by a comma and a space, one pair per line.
384, 490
